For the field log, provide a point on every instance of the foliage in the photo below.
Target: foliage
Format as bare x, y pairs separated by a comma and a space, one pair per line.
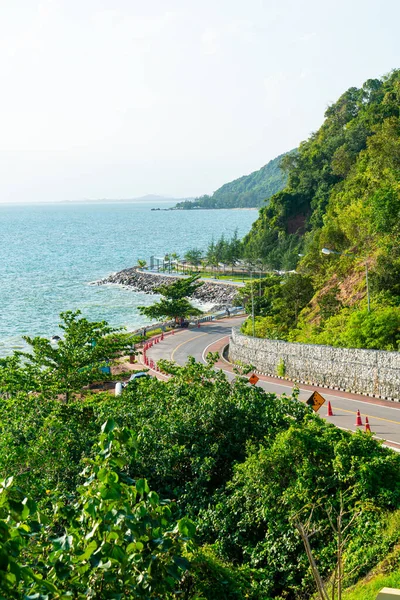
343, 193
352, 328
199, 427
174, 303
224, 251
238, 461
281, 368
182, 288
213, 579
65, 367
170, 309
15, 536
194, 256
279, 307
307, 465
248, 191
113, 538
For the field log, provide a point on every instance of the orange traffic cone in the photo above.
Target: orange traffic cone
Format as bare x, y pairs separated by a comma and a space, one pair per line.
367, 427
358, 419
330, 411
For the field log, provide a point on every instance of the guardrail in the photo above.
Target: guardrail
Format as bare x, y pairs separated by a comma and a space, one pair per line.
234, 311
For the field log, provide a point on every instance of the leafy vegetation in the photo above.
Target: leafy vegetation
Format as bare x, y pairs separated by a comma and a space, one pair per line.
343, 194
112, 538
235, 469
64, 364
249, 191
174, 303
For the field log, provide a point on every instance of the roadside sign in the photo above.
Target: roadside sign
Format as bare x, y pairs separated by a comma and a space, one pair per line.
315, 401
253, 379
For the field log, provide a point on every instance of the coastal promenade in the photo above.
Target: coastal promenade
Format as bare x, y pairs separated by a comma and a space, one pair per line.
384, 416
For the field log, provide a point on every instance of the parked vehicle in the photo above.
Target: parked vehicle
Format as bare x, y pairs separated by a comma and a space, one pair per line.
135, 376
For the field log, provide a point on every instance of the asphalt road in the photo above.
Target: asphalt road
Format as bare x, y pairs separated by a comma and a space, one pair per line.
384, 416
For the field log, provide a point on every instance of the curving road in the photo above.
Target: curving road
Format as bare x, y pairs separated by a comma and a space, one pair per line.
384, 416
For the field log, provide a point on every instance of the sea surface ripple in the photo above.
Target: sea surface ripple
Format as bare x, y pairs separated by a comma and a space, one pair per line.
50, 253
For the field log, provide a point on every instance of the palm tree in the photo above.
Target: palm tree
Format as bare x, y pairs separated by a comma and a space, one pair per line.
175, 258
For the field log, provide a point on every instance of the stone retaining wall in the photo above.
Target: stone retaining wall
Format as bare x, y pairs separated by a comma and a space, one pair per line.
370, 372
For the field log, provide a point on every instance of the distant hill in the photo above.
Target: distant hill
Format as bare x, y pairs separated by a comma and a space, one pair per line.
146, 198
249, 191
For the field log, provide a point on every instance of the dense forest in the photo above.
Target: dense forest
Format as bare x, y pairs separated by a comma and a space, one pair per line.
249, 191
337, 223
197, 487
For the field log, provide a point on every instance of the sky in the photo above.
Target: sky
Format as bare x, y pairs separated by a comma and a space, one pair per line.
122, 98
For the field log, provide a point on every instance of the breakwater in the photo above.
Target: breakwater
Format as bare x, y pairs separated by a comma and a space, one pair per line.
370, 372
217, 294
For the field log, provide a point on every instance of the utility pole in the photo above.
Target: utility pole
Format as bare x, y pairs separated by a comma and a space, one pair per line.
366, 277
252, 301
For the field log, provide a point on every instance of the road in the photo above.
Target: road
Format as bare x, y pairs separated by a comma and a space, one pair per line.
384, 416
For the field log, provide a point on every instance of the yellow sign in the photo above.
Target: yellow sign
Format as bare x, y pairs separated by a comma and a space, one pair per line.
315, 401
253, 379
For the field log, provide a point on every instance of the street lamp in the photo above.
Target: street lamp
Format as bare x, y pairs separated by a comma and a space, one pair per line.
252, 300
329, 251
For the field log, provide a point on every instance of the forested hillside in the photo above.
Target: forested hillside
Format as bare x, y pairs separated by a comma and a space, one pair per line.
343, 195
249, 191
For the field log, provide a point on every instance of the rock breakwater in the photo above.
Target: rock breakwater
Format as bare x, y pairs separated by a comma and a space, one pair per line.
218, 294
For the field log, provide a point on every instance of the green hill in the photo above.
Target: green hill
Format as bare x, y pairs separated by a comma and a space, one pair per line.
249, 191
343, 194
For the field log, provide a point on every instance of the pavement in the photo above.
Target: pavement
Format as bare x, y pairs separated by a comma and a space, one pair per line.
383, 415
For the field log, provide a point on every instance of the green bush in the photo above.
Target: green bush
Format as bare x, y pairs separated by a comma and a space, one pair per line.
281, 368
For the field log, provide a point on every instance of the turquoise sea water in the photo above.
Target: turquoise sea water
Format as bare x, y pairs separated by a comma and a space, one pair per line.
49, 254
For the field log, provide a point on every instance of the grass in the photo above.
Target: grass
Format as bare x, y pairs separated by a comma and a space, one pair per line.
386, 574
218, 275
369, 590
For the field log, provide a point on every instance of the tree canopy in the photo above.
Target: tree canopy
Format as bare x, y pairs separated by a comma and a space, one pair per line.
342, 193
64, 364
174, 303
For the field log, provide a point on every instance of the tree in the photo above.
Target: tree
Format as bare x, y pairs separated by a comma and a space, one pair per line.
142, 264
174, 304
175, 260
182, 288
170, 309
194, 256
76, 359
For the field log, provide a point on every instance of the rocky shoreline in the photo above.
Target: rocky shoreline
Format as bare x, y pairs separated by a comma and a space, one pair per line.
220, 295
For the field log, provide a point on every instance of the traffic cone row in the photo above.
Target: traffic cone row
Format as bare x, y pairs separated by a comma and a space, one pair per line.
358, 422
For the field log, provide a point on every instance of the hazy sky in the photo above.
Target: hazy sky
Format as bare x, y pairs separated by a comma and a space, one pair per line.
116, 99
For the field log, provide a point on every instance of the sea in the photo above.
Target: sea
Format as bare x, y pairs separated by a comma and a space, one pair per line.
50, 253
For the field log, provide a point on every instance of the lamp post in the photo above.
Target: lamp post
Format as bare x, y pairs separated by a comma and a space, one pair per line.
252, 301
327, 251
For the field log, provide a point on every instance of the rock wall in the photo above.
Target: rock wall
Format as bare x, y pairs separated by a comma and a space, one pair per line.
220, 294
371, 372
